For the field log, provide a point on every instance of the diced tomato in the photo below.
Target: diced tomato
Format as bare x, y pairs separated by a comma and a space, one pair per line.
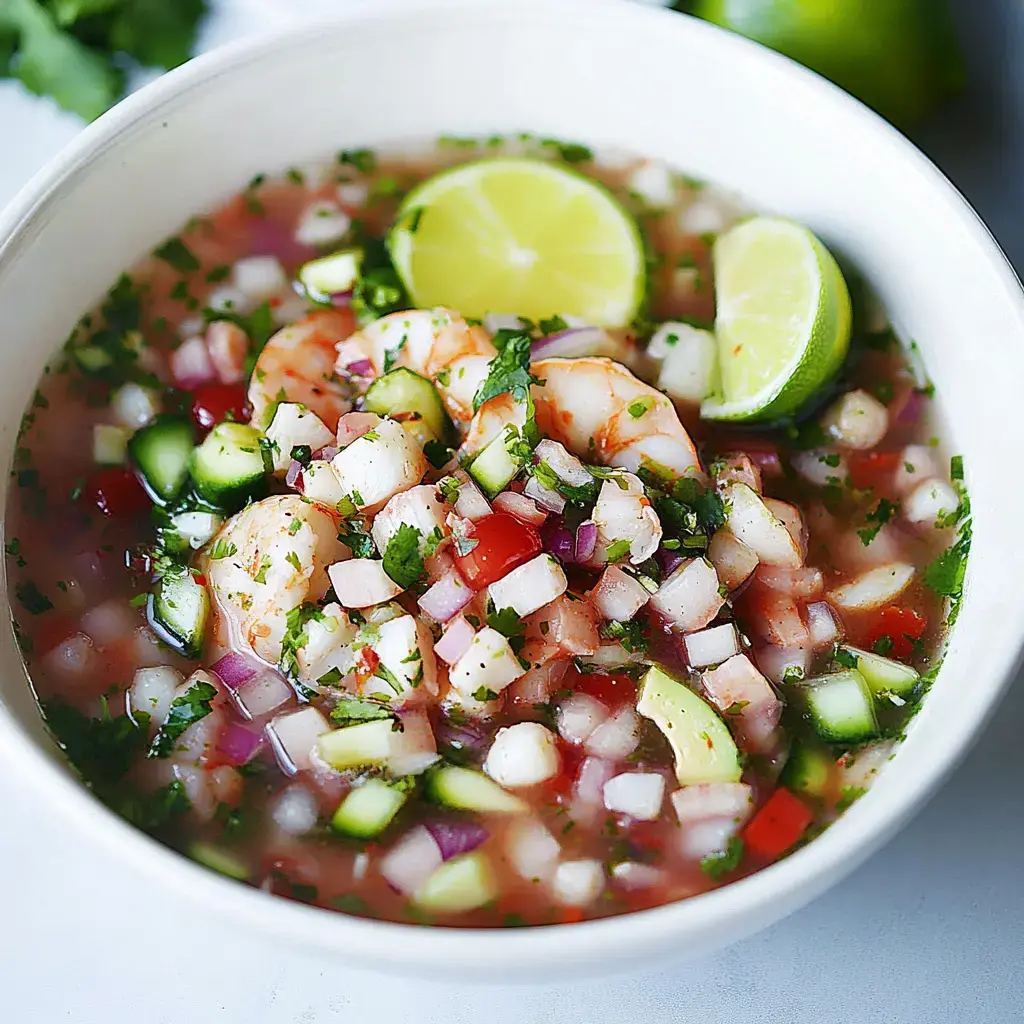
610, 690
777, 826
900, 625
571, 757
213, 403
872, 469
503, 544
116, 492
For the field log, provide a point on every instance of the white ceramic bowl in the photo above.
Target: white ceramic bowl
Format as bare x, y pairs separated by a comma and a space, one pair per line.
605, 73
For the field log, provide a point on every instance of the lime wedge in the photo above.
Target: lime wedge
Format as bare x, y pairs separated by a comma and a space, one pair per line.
782, 319
519, 236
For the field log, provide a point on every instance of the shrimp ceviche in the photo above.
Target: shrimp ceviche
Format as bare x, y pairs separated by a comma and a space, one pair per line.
493, 533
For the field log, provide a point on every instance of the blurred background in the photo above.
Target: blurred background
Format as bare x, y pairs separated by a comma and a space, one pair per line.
928, 931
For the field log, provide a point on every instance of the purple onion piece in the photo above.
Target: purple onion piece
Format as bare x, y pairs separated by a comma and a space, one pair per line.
559, 542
294, 472
233, 670
456, 837
586, 540
571, 343
238, 744
341, 299
669, 560
360, 368
912, 409
326, 453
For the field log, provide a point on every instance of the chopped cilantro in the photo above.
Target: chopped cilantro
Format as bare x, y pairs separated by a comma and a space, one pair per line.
222, 549
552, 325
846, 659
175, 252
391, 355
31, 598
389, 677
484, 694
154, 811
192, 706
403, 561
363, 160
295, 635
506, 621
293, 560
629, 634
718, 865
570, 152
437, 454
877, 518
640, 406
359, 543
101, 749
261, 575
618, 550
883, 646
849, 795
349, 903
509, 373
357, 709
302, 454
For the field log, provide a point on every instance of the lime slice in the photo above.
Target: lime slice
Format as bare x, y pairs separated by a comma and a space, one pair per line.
519, 236
782, 319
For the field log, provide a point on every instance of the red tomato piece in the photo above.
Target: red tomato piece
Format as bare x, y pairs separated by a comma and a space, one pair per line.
777, 826
503, 544
900, 625
213, 403
872, 469
610, 690
116, 492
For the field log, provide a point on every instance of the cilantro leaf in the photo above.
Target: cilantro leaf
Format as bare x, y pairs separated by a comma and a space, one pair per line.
877, 518
192, 706
295, 635
31, 598
402, 559
509, 370
718, 865
357, 709
155, 32
155, 811
175, 252
101, 749
629, 634
506, 621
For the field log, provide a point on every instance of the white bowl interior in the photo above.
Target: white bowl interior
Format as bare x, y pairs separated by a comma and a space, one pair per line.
607, 74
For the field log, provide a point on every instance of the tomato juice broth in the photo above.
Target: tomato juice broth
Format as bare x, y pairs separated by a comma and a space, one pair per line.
80, 562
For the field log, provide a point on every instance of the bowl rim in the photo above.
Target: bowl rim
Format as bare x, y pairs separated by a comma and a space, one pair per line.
797, 879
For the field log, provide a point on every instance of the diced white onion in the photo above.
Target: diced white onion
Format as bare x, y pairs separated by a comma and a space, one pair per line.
322, 223
713, 800
822, 625
295, 811
362, 583
779, 662
532, 850
577, 883
712, 646
259, 278
293, 737
689, 372
353, 193
689, 599
264, 693
616, 738
578, 716
529, 587
636, 794
133, 405
197, 528
654, 182
618, 596
190, 363
732, 559
152, 691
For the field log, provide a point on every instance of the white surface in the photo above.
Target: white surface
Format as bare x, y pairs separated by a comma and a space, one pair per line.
929, 930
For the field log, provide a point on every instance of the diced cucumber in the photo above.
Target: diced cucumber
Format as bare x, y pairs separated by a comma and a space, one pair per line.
703, 747
808, 769
469, 790
368, 809
882, 674
109, 444
218, 860
840, 707
330, 275
494, 468
358, 746
228, 467
92, 358
402, 390
163, 450
178, 609
461, 884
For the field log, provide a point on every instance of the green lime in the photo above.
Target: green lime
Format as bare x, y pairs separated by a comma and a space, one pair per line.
782, 319
519, 236
899, 56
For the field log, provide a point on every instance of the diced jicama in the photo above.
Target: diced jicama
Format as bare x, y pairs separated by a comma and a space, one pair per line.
294, 425
856, 420
412, 748
712, 646
578, 715
362, 583
455, 640
821, 466
752, 522
618, 596
259, 277
294, 737
733, 800
320, 484
379, 464
418, 508
793, 520
732, 559
917, 463
577, 883
529, 587
522, 755
737, 688
532, 850
626, 515
821, 624
134, 405
322, 223
873, 589
470, 504
411, 861
690, 598
487, 665
636, 794
930, 503
405, 648
689, 371
616, 738
152, 691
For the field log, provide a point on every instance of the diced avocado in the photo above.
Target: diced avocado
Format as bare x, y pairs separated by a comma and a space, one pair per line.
704, 749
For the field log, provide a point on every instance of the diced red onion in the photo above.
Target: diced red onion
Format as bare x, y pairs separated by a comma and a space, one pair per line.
264, 693
360, 368
234, 669
191, 364
558, 541
293, 477
455, 641
269, 237
669, 560
594, 773
411, 861
912, 409
544, 496
571, 344
520, 506
586, 540
472, 736
238, 744
456, 837
448, 596
326, 454
341, 299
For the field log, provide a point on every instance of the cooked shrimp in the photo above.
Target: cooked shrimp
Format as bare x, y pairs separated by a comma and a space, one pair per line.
603, 413
436, 343
274, 566
299, 361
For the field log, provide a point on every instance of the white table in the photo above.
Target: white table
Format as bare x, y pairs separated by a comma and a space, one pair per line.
930, 930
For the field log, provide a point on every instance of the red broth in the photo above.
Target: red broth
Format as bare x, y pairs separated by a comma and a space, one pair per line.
83, 550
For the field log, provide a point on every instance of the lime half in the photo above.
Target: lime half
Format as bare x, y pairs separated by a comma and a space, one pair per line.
782, 319
519, 236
